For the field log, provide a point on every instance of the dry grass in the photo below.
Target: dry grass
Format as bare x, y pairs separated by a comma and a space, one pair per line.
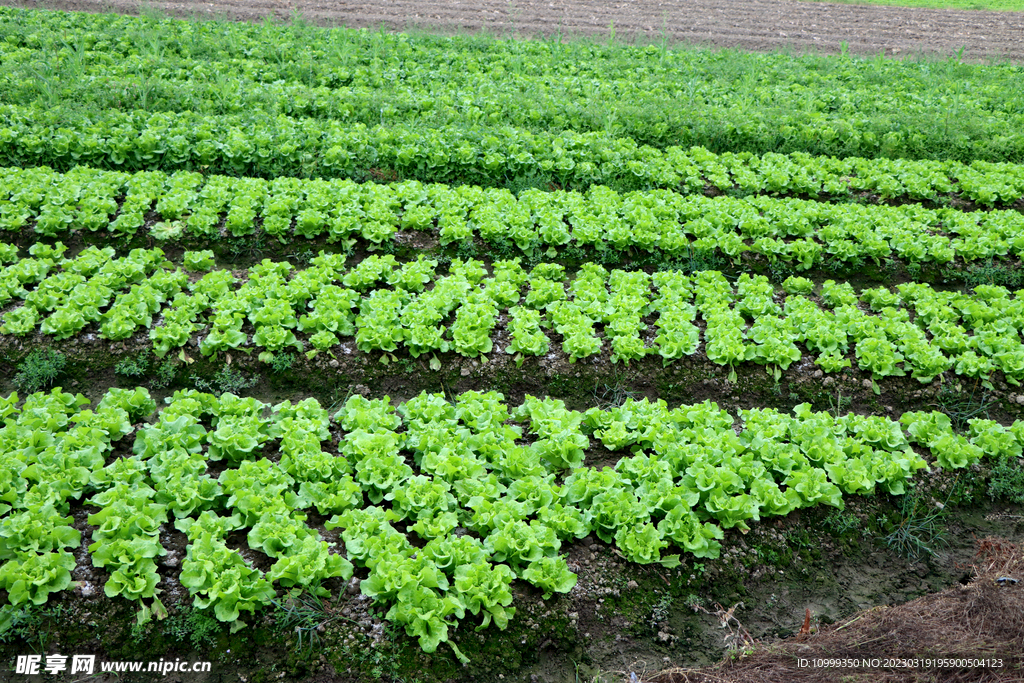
981, 620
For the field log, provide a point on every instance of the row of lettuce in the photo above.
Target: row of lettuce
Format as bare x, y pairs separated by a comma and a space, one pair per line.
656, 96
384, 306
187, 207
441, 503
255, 144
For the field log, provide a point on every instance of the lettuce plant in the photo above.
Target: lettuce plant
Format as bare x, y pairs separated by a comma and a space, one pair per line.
926, 428
237, 437
186, 496
551, 575
334, 495
615, 508
135, 402
685, 529
358, 413
277, 535
771, 499
880, 357
533, 494
435, 526
953, 451
382, 474
463, 465
37, 530
126, 518
518, 543
471, 332
643, 544
583, 485
449, 553
733, 510
994, 439
813, 487
198, 261
485, 588
568, 522
170, 434
366, 529
677, 336
562, 450
422, 612
218, 577
798, 285
31, 577
419, 497
832, 362
851, 475
309, 564
527, 336
395, 574
970, 364
840, 294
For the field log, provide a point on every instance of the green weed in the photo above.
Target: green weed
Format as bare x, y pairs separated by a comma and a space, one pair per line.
1006, 481
694, 261
193, 626
916, 528
249, 249
303, 258
228, 380
661, 611
989, 5
613, 393
840, 523
283, 362
987, 273
840, 405
532, 180
961, 406
29, 625
133, 366
39, 370
164, 375
305, 615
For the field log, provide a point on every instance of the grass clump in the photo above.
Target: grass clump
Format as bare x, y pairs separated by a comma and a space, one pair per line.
133, 366
989, 272
305, 615
916, 528
282, 362
39, 370
193, 626
1006, 481
228, 380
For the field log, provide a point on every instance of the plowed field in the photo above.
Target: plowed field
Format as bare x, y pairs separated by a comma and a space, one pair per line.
746, 24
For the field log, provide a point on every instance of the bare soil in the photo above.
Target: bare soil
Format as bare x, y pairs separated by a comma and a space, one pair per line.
746, 24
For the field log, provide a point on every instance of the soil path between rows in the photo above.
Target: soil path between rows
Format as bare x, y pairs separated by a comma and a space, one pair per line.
746, 24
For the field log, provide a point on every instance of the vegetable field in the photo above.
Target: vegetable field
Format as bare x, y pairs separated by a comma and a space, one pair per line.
340, 355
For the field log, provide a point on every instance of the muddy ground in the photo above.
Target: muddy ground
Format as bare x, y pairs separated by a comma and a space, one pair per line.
746, 24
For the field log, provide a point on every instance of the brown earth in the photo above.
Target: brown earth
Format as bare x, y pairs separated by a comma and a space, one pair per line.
746, 24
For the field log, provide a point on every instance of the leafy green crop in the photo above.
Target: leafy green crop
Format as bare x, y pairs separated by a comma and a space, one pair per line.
437, 466
32, 577
220, 578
